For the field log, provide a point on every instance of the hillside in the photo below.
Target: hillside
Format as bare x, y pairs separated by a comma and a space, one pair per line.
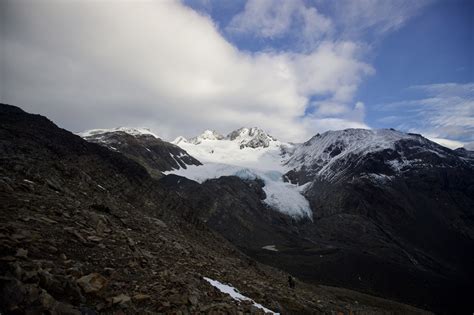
85, 229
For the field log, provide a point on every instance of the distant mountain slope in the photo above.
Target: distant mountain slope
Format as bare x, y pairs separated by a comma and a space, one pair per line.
397, 207
245, 137
248, 153
144, 147
246, 147
335, 155
391, 212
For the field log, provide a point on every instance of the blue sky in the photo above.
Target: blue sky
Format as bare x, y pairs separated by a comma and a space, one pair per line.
293, 67
433, 45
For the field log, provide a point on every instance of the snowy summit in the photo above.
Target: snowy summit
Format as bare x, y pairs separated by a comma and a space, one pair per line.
249, 153
128, 130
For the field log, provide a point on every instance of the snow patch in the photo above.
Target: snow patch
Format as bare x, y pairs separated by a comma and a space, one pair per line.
229, 152
233, 292
206, 135
271, 248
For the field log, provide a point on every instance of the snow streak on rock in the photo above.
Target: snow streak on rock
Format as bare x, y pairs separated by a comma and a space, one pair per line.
224, 288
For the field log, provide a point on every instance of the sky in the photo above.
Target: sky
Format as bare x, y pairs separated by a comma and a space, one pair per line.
293, 68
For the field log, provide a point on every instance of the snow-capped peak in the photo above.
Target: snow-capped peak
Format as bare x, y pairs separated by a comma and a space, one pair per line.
206, 135
251, 137
332, 153
179, 139
128, 130
248, 153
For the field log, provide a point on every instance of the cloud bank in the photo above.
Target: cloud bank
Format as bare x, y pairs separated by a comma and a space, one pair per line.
273, 19
376, 17
162, 65
444, 113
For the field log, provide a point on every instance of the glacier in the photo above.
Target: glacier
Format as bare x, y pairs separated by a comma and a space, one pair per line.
229, 156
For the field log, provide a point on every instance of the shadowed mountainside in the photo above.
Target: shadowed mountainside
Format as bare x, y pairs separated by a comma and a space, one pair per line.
87, 230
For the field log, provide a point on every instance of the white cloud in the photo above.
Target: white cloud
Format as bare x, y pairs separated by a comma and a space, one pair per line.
469, 146
324, 124
277, 18
162, 65
297, 19
444, 114
377, 17
452, 144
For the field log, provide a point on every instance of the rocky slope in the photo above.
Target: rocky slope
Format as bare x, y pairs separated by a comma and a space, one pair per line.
144, 147
251, 138
85, 230
391, 215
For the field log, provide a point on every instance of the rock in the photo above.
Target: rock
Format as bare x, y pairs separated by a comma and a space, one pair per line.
94, 238
93, 282
141, 297
4, 186
7, 258
46, 300
21, 253
77, 234
121, 299
52, 249
88, 311
178, 299
193, 299
66, 309
159, 223
47, 220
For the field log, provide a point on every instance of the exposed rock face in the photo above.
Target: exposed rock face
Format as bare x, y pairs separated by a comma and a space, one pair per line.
234, 208
145, 148
465, 153
251, 137
246, 138
86, 230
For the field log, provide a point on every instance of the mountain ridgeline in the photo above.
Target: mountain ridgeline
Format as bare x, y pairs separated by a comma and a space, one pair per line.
390, 214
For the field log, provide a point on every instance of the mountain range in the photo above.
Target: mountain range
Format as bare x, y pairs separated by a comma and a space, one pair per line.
382, 212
